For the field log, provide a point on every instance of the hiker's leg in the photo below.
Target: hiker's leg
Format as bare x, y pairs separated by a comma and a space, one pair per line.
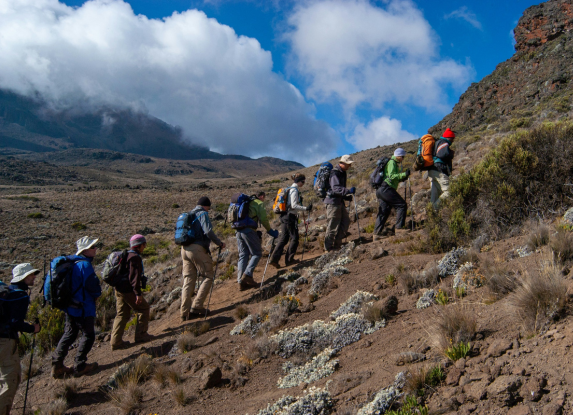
122, 314
10, 373
293, 236
204, 264
86, 342
383, 212
282, 240
256, 249
189, 280
71, 330
244, 255
436, 190
333, 216
142, 318
343, 227
444, 181
398, 202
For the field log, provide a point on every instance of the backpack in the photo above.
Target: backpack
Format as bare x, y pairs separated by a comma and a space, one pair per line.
58, 283
115, 268
184, 232
281, 201
321, 183
425, 156
238, 212
377, 176
5, 292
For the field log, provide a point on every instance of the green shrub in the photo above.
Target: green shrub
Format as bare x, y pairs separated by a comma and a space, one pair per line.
36, 215
228, 273
149, 251
78, 226
105, 308
410, 406
120, 245
442, 297
458, 351
223, 230
369, 228
175, 206
220, 207
272, 181
24, 197
516, 123
52, 327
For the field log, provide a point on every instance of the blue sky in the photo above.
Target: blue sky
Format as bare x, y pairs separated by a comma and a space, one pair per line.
365, 73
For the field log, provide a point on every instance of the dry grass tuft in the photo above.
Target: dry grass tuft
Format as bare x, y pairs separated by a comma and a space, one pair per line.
198, 328
451, 325
25, 365
538, 235
57, 407
67, 389
164, 375
562, 246
411, 281
372, 313
539, 299
241, 312
181, 397
261, 348
498, 278
186, 342
127, 398
204, 327
237, 374
424, 377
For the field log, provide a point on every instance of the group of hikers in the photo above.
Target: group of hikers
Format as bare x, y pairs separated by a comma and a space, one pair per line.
130, 281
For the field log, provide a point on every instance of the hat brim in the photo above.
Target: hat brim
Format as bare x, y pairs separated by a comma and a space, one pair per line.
349, 162
23, 277
91, 245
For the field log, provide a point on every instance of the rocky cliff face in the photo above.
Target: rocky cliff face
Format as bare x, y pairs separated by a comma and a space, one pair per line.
532, 86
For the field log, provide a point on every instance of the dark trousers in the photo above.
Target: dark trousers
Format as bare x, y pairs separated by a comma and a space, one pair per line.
71, 330
389, 198
289, 231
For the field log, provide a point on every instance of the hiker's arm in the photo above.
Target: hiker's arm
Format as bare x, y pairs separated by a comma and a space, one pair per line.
17, 315
262, 215
394, 172
203, 218
135, 271
294, 200
335, 186
92, 285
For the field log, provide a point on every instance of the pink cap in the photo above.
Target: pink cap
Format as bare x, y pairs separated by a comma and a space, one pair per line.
137, 240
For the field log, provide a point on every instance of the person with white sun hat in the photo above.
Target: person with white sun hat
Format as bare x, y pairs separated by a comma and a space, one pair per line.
14, 302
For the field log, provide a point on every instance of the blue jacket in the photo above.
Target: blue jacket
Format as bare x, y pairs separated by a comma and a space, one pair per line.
85, 286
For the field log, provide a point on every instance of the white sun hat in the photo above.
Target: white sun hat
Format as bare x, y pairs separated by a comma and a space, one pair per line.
346, 159
85, 243
21, 271
399, 152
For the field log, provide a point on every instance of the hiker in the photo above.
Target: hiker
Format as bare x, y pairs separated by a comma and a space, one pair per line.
289, 223
128, 296
14, 308
336, 211
439, 174
249, 243
389, 198
197, 260
81, 314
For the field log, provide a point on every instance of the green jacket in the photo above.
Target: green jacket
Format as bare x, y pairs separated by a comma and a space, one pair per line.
393, 174
258, 213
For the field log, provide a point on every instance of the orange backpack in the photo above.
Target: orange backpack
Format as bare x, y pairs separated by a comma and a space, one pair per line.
425, 156
280, 205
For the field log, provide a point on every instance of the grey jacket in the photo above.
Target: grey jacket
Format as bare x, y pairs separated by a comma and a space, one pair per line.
338, 191
206, 229
293, 202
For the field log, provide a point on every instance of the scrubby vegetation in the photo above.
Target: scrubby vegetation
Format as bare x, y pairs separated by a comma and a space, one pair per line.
52, 328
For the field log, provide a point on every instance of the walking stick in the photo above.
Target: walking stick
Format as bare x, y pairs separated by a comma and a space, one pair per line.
268, 259
357, 221
305, 235
411, 204
30, 370
214, 275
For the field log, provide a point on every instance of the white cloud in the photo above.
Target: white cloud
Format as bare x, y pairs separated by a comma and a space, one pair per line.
465, 14
359, 53
380, 132
186, 69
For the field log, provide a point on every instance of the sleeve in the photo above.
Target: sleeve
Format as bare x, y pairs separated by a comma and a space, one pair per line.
18, 311
443, 151
92, 284
262, 215
293, 197
135, 271
394, 173
337, 189
203, 218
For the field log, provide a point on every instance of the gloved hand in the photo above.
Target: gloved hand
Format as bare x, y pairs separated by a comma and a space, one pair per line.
309, 208
352, 190
260, 234
273, 233
407, 173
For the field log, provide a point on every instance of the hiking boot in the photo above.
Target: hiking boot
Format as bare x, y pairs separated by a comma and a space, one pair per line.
59, 371
293, 262
377, 238
198, 312
144, 338
184, 319
388, 232
247, 282
275, 264
88, 368
122, 345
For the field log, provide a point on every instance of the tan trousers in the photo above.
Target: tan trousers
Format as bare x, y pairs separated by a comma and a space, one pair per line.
440, 183
196, 260
10, 373
337, 225
124, 303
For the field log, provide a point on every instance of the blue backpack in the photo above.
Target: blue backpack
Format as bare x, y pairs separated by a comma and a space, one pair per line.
58, 283
238, 212
321, 184
184, 231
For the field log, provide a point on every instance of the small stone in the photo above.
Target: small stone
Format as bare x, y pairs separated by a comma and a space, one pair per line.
379, 253
552, 409
460, 363
453, 377
532, 390
520, 410
210, 377
499, 347
476, 391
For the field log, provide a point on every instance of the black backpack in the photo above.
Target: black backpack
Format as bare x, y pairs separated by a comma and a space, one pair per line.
6, 296
377, 176
58, 283
321, 183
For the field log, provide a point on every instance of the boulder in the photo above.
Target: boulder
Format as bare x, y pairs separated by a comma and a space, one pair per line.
210, 377
499, 347
389, 305
453, 377
504, 389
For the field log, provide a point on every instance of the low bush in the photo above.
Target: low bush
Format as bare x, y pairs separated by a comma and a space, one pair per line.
458, 351
36, 215
411, 281
78, 226
67, 389
410, 406
539, 299
538, 235
180, 396
499, 280
261, 348
562, 246
57, 407
52, 323
452, 324
105, 308
127, 398
372, 313
164, 375
241, 312
186, 342
228, 273
424, 377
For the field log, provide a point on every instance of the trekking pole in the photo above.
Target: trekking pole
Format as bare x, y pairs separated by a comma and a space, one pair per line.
305, 235
356, 213
411, 204
268, 259
214, 275
30, 370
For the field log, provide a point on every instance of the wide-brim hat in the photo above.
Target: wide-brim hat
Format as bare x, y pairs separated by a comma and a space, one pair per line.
21, 271
346, 159
85, 243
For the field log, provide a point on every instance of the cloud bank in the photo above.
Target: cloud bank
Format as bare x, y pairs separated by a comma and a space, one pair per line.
187, 69
357, 53
380, 132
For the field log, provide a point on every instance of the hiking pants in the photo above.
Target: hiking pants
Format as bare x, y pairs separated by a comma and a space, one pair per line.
71, 330
196, 260
10, 373
124, 303
250, 252
440, 183
337, 226
389, 198
289, 231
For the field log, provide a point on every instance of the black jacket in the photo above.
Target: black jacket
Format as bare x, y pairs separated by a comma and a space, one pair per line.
338, 191
16, 308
